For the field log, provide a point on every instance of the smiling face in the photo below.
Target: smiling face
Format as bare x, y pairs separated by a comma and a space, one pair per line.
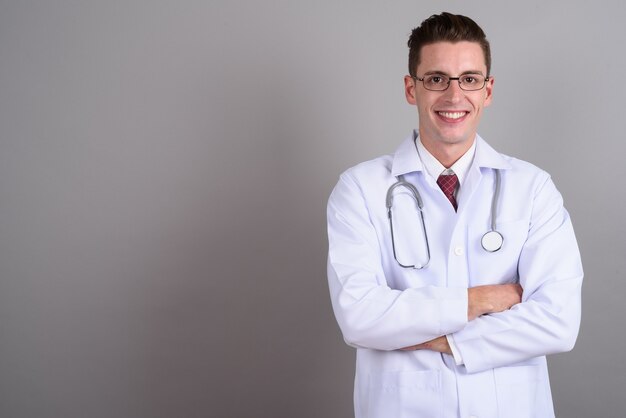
448, 119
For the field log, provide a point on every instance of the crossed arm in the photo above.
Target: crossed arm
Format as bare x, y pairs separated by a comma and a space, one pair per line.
490, 327
481, 300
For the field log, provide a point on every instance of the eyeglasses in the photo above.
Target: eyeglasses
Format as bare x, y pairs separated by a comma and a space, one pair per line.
440, 82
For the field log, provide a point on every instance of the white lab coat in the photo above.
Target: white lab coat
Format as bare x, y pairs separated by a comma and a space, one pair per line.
381, 307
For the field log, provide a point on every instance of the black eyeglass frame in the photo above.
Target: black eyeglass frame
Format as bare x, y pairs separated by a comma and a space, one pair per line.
458, 80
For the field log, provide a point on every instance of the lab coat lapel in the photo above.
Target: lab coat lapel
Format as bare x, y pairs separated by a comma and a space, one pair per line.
484, 157
469, 186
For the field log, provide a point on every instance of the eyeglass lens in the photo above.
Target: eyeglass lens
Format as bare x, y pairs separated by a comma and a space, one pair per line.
440, 82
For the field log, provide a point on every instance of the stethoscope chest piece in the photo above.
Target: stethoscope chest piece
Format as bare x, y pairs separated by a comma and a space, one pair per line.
492, 241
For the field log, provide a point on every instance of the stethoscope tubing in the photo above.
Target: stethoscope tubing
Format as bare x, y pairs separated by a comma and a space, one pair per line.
491, 241
420, 205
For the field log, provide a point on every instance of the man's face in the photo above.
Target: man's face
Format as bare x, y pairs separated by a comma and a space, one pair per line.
449, 118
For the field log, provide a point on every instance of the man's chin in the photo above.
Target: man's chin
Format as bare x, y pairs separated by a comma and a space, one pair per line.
456, 140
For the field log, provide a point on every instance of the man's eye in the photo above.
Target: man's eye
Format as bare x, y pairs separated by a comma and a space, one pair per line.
436, 79
468, 79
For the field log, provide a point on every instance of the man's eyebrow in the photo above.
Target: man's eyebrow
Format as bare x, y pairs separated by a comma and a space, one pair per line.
448, 75
436, 72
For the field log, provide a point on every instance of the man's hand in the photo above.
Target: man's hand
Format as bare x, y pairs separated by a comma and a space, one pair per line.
439, 344
492, 298
481, 300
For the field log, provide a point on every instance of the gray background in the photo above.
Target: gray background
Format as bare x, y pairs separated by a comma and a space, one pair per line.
164, 170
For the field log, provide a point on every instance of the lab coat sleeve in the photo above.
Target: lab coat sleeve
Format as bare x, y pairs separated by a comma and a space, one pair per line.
369, 312
550, 273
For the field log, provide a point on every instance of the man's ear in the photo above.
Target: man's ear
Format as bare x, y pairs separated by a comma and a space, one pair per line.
489, 90
409, 89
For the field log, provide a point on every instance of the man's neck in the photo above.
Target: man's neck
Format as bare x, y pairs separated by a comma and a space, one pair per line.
447, 153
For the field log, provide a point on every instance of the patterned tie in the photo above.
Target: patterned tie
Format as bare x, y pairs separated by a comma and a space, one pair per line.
448, 183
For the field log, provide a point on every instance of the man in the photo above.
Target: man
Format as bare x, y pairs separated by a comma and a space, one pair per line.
452, 314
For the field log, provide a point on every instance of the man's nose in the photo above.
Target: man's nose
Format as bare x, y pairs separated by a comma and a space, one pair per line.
454, 92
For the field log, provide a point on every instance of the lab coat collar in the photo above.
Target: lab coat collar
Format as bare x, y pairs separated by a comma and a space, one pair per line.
487, 157
406, 160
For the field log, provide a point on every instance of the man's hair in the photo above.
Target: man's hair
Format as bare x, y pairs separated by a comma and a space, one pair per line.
446, 27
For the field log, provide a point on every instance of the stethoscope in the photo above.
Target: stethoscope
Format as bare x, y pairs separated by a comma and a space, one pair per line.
491, 241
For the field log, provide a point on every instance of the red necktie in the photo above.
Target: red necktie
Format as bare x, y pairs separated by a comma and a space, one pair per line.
448, 183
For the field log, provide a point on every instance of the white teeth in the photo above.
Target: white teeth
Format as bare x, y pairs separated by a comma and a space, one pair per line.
452, 115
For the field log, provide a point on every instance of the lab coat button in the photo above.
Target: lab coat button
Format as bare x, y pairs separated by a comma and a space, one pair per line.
459, 251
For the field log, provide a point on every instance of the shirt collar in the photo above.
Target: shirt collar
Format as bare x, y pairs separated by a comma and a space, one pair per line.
435, 168
407, 160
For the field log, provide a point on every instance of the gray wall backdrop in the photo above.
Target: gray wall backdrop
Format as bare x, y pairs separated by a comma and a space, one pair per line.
164, 171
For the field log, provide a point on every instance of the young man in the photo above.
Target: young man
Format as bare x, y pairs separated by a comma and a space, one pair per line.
453, 269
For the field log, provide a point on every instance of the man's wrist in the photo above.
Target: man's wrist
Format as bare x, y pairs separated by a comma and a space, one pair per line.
458, 359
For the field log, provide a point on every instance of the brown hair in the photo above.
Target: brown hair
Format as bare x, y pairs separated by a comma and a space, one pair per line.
446, 27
